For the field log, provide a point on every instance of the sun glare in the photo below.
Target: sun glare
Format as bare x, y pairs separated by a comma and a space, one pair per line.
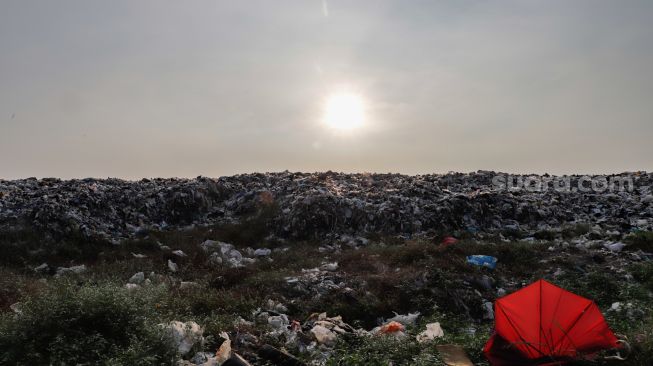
344, 111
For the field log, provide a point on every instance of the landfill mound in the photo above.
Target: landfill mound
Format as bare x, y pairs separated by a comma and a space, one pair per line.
311, 205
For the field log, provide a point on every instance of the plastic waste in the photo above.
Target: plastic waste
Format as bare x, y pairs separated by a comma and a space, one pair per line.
137, 278
448, 240
61, 271
615, 247
172, 266
330, 267
262, 252
392, 328
184, 335
43, 268
16, 307
180, 253
483, 261
406, 320
433, 331
224, 351
323, 335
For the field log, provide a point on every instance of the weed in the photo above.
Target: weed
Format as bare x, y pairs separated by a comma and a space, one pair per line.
640, 240
68, 324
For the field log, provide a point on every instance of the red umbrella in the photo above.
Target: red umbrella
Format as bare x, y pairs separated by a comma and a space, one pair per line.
543, 324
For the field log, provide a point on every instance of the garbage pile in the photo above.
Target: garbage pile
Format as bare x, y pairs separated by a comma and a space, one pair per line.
317, 335
225, 253
318, 281
301, 205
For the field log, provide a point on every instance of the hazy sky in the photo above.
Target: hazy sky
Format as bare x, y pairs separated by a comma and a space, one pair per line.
138, 88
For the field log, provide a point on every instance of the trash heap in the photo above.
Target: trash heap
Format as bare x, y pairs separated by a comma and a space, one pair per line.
316, 282
302, 205
316, 336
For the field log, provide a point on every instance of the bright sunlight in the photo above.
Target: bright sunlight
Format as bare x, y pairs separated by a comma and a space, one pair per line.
344, 111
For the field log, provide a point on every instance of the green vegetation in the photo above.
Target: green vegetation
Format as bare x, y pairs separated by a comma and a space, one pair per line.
641, 240
85, 325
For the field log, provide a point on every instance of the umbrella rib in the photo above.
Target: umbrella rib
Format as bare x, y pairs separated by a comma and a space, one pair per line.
566, 332
542, 332
519, 334
555, 311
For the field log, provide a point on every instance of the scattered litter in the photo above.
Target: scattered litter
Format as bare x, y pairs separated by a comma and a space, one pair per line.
215, 259
62, 271
225, 253
330, 267
185, 335
316, 282
488, 311
323, 335
210, 246
180, 253
482, 260
433, 331
43, 268
16, 307
137, 278
138, 256
448, 240
276, 306
203, 358
262, 252
278, 321
224, 351
405, 320
615, 247
172, 266
392, 328
484, 282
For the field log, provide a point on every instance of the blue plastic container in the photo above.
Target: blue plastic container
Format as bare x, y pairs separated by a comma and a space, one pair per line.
482, 260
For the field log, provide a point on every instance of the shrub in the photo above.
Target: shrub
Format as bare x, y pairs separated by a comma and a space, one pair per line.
640, 240
643, 273
545, 235
89, 325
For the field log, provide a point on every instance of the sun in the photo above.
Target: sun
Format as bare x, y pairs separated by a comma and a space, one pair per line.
344, 111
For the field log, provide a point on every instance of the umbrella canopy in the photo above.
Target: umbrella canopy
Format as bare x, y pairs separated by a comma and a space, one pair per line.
544, 324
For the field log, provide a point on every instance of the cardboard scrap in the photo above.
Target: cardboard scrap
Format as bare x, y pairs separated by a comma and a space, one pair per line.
454, 355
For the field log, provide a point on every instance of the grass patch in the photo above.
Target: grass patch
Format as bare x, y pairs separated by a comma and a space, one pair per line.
88, 325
